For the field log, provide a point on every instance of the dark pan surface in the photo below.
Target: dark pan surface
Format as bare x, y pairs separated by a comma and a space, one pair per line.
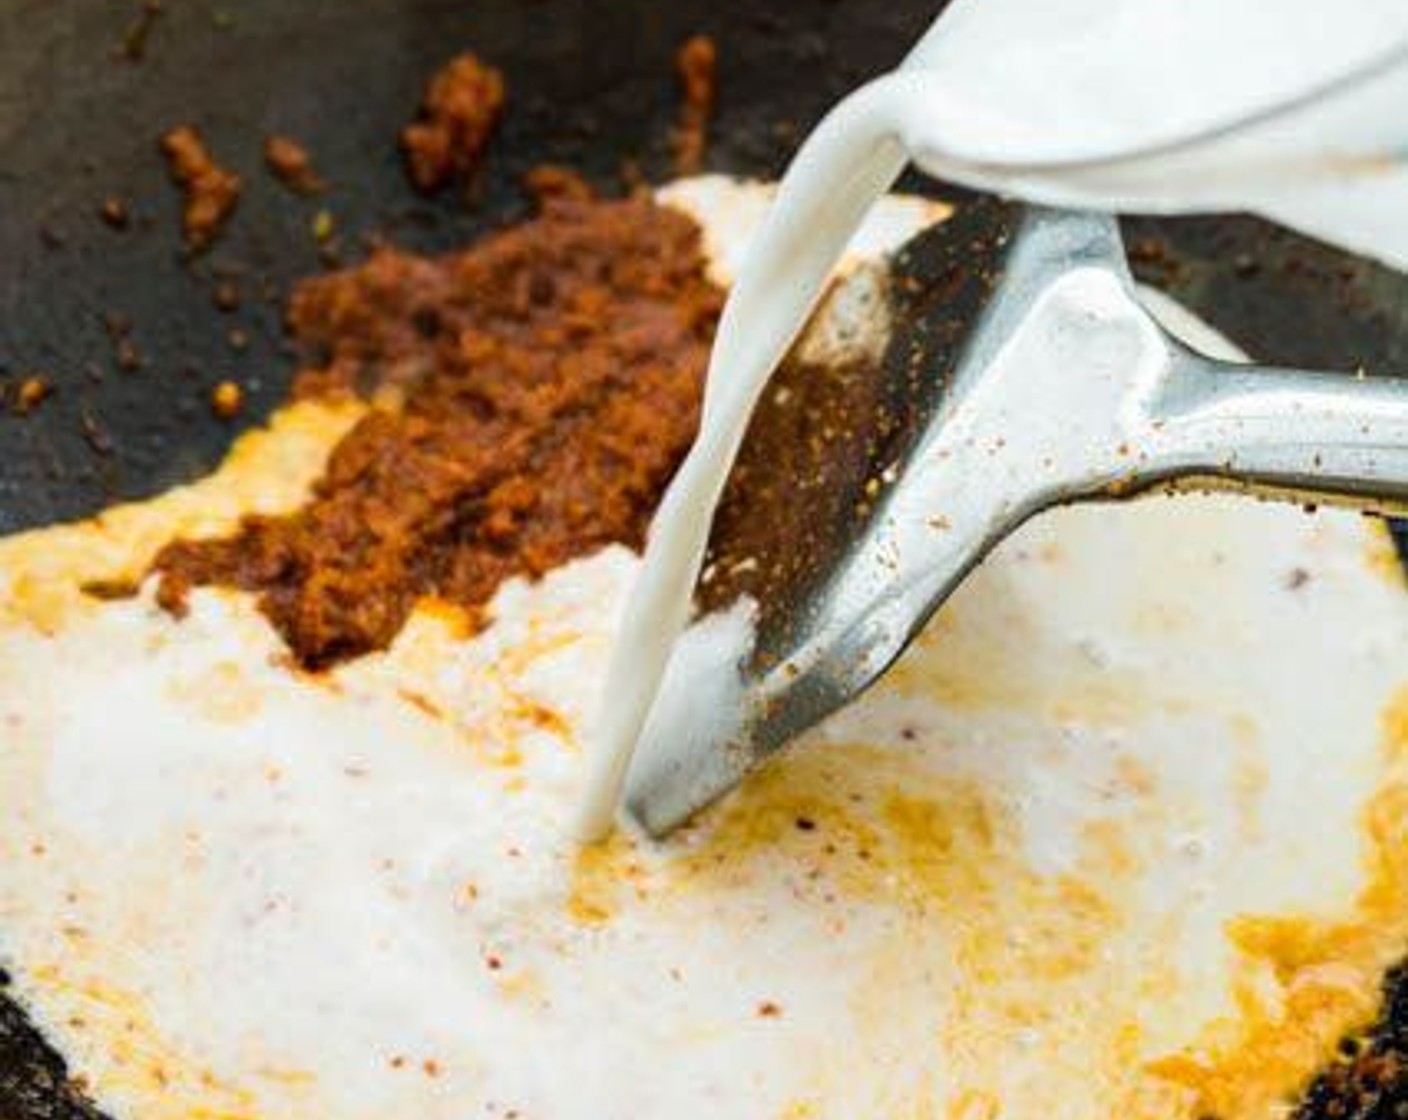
591, 85
87, 86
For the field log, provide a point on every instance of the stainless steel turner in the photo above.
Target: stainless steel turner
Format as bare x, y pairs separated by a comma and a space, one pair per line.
1021, 373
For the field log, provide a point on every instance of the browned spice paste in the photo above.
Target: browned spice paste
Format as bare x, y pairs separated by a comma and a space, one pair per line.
210, 191
462, 104
695, 65
549, 380
291, 165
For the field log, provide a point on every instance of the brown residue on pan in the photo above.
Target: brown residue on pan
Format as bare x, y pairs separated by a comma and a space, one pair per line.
133, 46
797, 461
210, 191
462, 104
695, 65
125, 354
292, 165
534, 394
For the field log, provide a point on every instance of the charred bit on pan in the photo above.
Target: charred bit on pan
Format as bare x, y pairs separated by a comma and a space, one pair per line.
115, 213
94, 435
226, 296
461, 107
124, 348
133, 46
51, 235
210, 192
129, 358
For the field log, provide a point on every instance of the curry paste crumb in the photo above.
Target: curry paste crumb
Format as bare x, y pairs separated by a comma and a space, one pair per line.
291, 164
695, 65
462, 104
210, 192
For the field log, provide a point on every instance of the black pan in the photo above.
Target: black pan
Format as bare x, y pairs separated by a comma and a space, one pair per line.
86, 87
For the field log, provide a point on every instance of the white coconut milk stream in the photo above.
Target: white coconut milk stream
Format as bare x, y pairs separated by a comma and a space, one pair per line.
1286, 166
848, 163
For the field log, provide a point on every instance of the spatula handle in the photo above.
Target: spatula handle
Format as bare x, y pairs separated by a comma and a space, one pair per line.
1311, 437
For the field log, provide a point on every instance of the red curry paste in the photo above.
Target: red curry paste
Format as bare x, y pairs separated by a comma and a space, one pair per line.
549, 380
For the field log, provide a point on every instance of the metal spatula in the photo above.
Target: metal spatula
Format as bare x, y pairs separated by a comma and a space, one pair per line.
1021, 373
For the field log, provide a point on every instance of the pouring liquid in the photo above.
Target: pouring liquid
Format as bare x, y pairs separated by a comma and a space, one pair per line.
858, 151
849, 162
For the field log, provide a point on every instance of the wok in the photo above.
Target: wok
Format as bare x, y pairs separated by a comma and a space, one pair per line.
87, 86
